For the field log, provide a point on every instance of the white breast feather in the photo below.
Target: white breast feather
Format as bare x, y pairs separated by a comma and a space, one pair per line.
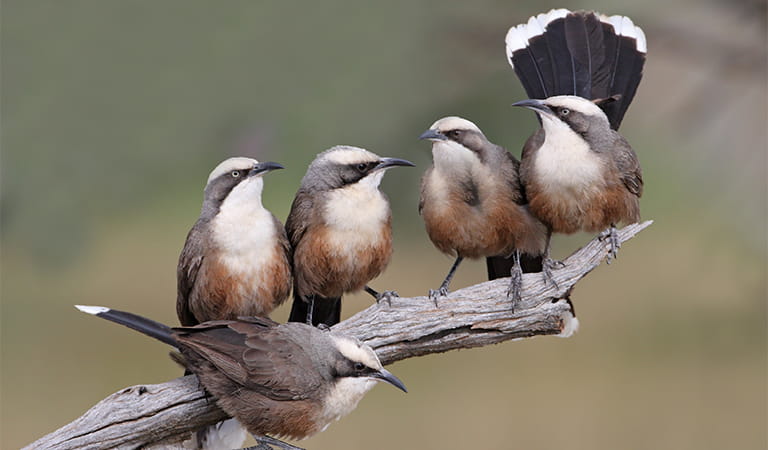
564, 163
244, 230
355, 214
344, 397
452, 161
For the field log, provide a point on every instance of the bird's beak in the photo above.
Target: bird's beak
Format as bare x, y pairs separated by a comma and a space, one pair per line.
264, 167
391, 162
537, 105
433, 135
386, 376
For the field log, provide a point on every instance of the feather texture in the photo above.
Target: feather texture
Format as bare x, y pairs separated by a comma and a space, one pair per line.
579, 53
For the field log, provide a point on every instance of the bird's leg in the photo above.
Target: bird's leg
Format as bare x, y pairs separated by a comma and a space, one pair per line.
442, 291
516, 280
268, 443
548, 264
310, 309
613, 239
386, 295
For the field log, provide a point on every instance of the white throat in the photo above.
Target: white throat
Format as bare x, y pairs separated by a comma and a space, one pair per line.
243, 229
358, 207
565, 161
344, 397
450, 156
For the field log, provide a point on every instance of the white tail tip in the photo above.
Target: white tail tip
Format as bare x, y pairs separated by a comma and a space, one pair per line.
95, 310
570, 325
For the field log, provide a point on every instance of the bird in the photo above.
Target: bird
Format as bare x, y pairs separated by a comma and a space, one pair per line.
279, 380
580, 71
235, 262
473, 205
236, 258
340, 232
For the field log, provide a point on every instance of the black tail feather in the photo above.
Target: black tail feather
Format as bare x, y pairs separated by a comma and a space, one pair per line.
326, 311
626, 78
500, 266
578, 53
157, 330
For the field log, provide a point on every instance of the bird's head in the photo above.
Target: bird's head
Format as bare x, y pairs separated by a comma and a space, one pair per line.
357, 360
237, 180
456, 140
343, 166
568, 111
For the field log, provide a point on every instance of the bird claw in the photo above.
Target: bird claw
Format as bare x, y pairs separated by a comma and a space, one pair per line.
547, 266
612, 236
434, 294
323, 327
387, 296
515, 286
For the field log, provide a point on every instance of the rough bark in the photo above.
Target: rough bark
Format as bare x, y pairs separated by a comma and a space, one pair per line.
470, 317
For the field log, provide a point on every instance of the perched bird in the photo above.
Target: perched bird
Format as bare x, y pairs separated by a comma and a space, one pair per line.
340, 231
473, 206
581, 71
289, 380
235, 261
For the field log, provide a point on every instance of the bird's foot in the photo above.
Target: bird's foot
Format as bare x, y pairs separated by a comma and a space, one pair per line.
514, 293
547, 266
387, 296
268, 443
612, 236
323, 327
434, 294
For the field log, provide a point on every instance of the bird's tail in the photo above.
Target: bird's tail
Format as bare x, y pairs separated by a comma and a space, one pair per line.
157, 330
327, 310
501, 266
579, 53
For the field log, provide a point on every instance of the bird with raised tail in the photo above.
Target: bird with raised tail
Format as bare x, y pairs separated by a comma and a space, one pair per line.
340, 232
280, 381
580, 71
473, 205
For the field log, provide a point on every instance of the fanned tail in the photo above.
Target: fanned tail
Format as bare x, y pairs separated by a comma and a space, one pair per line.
579, 53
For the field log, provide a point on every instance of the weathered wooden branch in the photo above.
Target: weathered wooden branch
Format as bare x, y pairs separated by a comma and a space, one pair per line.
471, 317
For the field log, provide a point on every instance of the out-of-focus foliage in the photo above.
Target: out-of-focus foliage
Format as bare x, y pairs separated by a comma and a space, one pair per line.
113, 113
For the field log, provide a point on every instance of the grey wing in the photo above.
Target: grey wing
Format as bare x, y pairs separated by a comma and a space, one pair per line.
529, 153
423, 188
190, 260
298, 218
512, 175
258, 357
282, 237
628, 166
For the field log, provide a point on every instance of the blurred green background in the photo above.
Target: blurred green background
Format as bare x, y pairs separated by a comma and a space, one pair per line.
114, 112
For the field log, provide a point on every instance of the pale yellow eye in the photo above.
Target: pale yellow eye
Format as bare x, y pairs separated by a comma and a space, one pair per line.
235, 173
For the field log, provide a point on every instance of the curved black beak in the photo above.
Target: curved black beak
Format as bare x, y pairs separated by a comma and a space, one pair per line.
537, 105
391, 162
386, 376
433, 135
264, 167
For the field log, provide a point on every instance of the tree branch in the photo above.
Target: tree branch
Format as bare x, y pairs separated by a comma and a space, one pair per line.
471, 317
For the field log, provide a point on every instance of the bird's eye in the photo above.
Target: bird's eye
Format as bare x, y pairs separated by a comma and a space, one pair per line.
565, 111
235, 173
359, 367
455, 133
362, 166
